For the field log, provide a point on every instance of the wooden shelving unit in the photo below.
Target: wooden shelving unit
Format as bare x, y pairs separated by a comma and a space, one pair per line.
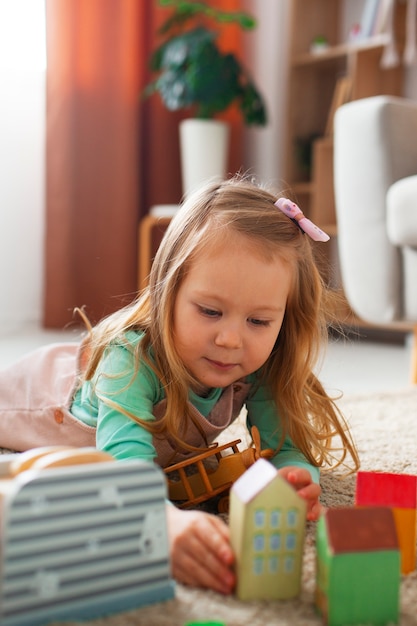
314, 80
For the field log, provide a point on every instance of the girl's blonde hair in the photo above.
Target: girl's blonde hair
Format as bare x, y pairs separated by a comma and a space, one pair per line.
308, 415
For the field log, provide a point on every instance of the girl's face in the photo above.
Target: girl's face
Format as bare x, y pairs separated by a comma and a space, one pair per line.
228, 312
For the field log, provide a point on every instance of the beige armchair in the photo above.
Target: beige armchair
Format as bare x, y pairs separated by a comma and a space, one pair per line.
375, 180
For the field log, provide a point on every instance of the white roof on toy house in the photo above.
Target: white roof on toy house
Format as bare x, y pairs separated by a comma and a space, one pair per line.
255, 479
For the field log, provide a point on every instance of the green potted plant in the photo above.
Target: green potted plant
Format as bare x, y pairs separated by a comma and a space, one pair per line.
194, 74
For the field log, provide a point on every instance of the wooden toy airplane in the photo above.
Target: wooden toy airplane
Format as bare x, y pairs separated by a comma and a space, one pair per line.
207, 482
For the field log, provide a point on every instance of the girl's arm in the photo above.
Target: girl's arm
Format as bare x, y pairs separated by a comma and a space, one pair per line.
200, 550
263, 414
290, 462
118, 394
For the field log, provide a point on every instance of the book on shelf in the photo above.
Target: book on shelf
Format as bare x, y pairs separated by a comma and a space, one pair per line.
375, 17
381, 23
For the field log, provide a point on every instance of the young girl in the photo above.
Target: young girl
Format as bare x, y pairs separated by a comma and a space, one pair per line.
234, 316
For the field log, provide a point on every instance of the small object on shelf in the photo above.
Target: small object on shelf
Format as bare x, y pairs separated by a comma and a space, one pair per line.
355, 33
319, 44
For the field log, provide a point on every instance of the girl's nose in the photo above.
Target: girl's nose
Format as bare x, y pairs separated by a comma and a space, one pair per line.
229, 337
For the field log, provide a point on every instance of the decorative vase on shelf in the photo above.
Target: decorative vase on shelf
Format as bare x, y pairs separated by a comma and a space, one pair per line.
204, 147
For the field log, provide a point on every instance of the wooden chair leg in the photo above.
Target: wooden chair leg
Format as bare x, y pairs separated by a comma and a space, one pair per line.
145, 244
414, 357
144, 250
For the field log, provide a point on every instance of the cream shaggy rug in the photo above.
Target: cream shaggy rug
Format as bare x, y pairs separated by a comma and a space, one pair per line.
385, 429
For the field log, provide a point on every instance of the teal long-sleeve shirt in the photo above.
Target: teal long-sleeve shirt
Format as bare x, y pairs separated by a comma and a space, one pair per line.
138, 393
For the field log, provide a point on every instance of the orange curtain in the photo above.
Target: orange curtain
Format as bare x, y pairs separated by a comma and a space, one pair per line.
110, 155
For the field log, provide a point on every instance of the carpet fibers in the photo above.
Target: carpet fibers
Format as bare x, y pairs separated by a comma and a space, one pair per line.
385, 430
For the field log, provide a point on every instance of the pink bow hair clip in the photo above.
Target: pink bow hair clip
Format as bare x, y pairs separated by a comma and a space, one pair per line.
293, 211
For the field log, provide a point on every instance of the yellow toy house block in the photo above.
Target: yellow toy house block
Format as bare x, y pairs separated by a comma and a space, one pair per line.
267, 523
399, 492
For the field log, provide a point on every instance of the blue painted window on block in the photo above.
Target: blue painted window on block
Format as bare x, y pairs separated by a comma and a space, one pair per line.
259, 543
290, 541
273, 564
275, 541
292, 518
259, 518
275, 518
289, 563
258, 565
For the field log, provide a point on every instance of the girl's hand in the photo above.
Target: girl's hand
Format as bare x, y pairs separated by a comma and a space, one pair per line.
201, 555
302, 482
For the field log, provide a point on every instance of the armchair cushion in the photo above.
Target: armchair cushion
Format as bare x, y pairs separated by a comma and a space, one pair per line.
375, 145
402, 212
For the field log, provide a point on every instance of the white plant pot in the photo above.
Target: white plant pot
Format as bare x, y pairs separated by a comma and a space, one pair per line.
204, 146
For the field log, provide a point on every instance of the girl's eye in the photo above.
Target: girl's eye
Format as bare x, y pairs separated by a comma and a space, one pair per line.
257, 322
209, 312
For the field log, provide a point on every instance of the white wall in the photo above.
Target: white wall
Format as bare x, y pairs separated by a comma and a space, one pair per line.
22, 160
22, 171
266, 58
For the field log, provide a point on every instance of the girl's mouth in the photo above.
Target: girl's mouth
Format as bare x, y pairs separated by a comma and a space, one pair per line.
221, 366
